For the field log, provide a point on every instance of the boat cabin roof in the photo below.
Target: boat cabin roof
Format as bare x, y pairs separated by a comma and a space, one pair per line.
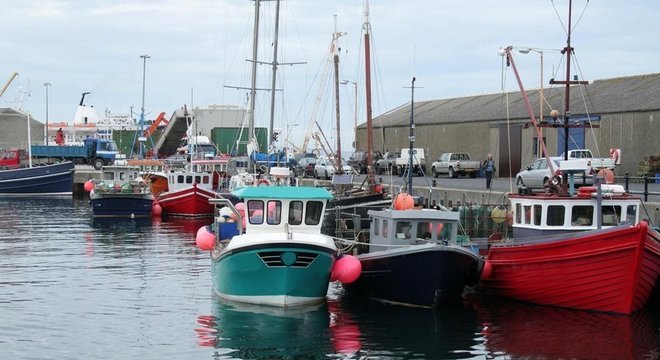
282, 193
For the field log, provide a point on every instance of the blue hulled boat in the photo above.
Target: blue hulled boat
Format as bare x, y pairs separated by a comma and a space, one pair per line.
282, 259
121, 193
38, 180
415, 258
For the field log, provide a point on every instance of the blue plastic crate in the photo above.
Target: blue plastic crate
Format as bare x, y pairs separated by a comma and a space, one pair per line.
228, 230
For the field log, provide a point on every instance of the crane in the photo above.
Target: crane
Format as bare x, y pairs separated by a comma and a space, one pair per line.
11, 78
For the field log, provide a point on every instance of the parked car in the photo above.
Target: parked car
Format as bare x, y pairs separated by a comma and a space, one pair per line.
305, 167
536, 175
176, 160
455, 164
387, 163
358, 160
324, 168
419, 161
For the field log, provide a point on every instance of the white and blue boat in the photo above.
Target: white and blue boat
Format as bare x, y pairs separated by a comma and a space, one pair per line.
121, 193
282, 259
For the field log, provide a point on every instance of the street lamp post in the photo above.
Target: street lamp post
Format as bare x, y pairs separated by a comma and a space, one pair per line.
541, 99
344, 82
46, 85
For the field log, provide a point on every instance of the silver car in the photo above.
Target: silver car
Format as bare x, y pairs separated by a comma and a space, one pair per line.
537, 174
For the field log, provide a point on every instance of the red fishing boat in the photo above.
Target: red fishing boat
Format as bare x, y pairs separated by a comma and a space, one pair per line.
587, 250
190, 189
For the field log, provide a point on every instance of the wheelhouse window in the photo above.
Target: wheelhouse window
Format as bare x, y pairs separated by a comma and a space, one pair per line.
424, 230
611, 215
108, 176
122, 175
443, 231
313, 212
295, 212
376, 226
274, 212
538, 210
403, 230
582, 215
518, 213
556, 215
385, 229
528, 214
189, 179
631, 214
205, 180
256, 211
198, 179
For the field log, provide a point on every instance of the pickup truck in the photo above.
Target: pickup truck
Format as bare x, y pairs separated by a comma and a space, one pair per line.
96, 152
387, 163
419, 161
455, 164
596, 163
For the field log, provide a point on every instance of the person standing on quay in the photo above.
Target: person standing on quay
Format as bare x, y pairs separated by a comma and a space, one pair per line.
489, 169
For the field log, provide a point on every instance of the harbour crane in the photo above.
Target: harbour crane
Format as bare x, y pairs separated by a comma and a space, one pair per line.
11, 78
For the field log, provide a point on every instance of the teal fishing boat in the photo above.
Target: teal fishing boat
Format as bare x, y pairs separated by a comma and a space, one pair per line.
281, 258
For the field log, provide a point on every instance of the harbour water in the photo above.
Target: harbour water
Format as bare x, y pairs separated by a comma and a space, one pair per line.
73, 288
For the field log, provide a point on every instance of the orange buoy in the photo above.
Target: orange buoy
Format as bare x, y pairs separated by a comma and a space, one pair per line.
404, 201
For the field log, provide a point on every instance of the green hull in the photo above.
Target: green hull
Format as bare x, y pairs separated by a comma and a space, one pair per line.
274, 274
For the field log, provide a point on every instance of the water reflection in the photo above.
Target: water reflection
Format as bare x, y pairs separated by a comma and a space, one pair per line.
529, 331
258, 332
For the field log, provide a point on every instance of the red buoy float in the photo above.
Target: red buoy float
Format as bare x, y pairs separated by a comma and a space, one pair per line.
404, 201
89, 185
346, 269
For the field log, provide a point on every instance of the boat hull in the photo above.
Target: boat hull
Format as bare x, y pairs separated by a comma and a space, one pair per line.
192, 202
275, 274
612, 270
417, 275
121, 205
55, 179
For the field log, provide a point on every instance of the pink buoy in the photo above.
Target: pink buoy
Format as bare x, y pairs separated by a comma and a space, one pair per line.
156, 209
347, 269
89, 185
205, 239
487, 271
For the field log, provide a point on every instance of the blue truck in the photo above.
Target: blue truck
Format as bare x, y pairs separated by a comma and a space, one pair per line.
95, 152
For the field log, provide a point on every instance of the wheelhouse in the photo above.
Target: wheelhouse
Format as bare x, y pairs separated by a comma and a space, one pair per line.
392, 228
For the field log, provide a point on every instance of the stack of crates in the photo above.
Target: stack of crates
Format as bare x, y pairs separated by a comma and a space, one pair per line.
650, 167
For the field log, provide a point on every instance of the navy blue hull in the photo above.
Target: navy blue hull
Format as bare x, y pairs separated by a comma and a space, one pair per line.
418, 278
118, 205
56, 179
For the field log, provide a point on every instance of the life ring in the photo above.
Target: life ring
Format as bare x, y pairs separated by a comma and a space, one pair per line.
264, 182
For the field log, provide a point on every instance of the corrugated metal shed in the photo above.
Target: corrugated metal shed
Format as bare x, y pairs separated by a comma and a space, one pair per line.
616, 95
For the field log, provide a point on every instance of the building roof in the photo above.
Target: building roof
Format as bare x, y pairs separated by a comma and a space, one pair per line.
617, 95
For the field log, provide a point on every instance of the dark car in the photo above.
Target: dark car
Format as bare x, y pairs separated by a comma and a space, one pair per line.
305, 167
358, 161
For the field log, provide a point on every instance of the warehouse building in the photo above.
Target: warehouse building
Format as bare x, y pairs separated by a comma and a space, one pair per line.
624, 114
14, 132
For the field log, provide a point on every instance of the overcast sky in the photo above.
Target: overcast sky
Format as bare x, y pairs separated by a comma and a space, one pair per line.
198, 46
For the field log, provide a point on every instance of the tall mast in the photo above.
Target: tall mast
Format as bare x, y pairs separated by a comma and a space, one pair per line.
568, 50
367, 74
272, 92
411, 137
253, 83
335, 50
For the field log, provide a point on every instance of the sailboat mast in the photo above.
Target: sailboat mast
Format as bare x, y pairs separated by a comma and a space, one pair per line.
253, 84
335, 51
568, 50
411, 138
272, 89
367, 75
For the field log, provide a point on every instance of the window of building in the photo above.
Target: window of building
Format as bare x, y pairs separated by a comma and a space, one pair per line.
556, 215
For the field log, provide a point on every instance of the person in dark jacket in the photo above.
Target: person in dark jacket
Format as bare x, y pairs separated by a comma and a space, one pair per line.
489, 169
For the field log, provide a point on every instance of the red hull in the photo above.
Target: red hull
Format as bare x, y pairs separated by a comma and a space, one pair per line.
192, 201
613, 270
